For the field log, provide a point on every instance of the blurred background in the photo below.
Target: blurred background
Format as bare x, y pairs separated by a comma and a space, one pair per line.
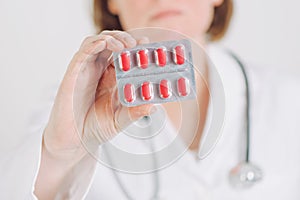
38, 39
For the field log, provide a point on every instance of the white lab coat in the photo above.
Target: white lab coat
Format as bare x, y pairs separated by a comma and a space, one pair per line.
274, 148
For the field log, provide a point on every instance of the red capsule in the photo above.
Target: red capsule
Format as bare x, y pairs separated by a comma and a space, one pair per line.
129, 93
147, 91
124, 61
165, 89
142, 58
179, 54
183, 86
160, 56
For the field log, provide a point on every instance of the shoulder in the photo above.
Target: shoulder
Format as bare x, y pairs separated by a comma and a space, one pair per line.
277, 89
277, 85
280, 82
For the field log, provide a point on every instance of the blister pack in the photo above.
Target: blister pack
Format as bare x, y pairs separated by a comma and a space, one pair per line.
155, 73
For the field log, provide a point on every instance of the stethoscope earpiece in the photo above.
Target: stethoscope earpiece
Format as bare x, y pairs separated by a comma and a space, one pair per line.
245, 175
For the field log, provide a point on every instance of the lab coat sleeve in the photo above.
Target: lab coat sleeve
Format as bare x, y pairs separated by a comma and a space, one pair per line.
20, 167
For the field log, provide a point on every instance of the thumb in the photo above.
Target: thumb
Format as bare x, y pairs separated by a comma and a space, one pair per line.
127, 115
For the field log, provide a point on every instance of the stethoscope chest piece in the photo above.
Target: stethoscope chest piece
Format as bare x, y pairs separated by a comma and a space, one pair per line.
245, 175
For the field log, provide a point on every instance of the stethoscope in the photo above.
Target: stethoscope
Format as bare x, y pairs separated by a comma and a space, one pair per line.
244, 175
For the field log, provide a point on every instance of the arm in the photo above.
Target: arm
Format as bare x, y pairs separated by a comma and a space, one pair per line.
65, 176
85, 110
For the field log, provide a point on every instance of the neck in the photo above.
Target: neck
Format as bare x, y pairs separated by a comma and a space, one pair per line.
201, 76
192, 114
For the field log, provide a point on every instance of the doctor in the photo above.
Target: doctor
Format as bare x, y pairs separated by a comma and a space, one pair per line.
53, 163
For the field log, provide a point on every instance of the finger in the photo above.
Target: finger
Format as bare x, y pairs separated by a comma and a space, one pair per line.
76, 70
143, 40
89, 51
107, 83
98, 44
93, 38
90, 39
125, 38
126, 115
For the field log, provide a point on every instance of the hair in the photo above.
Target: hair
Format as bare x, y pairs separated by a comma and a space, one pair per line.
105, 20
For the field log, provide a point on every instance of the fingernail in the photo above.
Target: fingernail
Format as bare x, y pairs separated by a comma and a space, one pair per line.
118, 44
144, 40
130, 41
153, 109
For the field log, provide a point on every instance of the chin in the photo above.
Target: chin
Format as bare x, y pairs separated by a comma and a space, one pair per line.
173, 27
182, 28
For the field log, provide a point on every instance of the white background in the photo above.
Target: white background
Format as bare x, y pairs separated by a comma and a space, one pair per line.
38, 39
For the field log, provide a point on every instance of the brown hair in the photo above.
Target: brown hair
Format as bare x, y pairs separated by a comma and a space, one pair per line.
104, 20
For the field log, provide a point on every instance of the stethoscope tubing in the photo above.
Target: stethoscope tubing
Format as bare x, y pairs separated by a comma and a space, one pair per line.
248, 103
247, 138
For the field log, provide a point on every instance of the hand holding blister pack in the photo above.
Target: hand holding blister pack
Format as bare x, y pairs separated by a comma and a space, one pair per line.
155, 73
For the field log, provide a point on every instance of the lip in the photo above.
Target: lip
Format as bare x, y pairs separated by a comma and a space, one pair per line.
165, 14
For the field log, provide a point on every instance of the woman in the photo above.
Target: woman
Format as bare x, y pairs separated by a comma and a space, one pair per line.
84, 104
